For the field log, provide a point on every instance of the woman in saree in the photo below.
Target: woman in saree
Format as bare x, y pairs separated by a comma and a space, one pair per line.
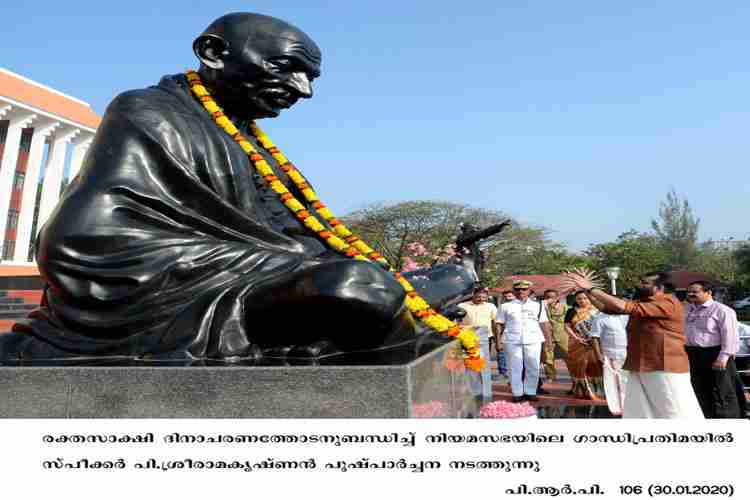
585, 368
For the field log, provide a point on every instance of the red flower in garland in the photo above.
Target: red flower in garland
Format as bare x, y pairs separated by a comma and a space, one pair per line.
454, 332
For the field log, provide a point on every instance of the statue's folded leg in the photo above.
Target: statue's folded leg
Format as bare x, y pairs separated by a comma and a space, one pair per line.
330, 306
325, 307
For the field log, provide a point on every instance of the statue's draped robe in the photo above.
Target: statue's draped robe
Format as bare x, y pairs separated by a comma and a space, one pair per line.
165, 237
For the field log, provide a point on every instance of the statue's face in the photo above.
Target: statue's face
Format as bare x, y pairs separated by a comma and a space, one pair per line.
268, 74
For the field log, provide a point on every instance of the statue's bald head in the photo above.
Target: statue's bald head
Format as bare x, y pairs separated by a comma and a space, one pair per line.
259, 33
256, 64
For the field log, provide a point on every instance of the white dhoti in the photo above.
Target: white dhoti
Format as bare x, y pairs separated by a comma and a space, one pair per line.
520, 356
660, 395
615, 381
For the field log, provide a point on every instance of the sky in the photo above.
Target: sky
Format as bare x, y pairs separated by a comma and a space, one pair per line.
574, 116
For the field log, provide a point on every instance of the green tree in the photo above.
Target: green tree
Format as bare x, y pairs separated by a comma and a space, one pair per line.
741, 286
551, 258
677, 230
634, 253
743, 258
716, 261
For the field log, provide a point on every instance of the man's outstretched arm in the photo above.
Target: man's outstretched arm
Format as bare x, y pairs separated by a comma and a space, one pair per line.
584, 281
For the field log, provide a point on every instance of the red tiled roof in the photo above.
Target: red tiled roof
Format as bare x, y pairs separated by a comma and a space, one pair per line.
682, 279
18, 270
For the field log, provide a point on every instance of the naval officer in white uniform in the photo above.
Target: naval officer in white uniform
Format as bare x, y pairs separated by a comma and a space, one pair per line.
524, 327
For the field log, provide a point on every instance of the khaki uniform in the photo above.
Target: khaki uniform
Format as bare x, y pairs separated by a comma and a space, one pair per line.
559, 338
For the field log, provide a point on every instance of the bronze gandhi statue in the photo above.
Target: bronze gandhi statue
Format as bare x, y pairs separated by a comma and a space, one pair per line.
170, 245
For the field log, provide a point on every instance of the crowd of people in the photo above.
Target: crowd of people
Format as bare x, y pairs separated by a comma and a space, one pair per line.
650, 357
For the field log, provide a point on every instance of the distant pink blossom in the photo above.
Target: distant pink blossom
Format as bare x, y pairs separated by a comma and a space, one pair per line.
417, 249
505, 409
423, 254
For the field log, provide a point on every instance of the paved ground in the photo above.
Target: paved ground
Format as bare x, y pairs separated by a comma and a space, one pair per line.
557, 404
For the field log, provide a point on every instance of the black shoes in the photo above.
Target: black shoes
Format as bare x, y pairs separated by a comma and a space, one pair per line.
527, 397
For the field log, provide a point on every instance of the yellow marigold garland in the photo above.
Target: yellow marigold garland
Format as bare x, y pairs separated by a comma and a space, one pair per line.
343, 241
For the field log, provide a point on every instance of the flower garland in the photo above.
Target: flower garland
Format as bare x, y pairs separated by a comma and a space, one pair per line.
342, 239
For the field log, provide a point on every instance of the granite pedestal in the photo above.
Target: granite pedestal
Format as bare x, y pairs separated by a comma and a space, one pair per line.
391, 389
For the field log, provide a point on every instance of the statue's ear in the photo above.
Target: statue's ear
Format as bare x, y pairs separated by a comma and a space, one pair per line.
211, 50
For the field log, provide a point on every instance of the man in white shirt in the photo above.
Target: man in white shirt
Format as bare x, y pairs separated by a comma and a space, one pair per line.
523, 328
610, 341
481, 315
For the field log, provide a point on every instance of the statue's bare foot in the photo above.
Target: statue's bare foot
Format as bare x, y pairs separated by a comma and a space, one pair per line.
319, 349
277, 352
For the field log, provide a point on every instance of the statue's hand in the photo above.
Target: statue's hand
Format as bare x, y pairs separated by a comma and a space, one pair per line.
467, 246
470, 238
454, 313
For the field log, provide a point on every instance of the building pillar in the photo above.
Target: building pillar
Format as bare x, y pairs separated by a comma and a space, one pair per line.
19, 119
30, 186
79, 153
53, 174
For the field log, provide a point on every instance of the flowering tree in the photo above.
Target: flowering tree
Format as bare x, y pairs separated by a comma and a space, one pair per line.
417, 234
420, 257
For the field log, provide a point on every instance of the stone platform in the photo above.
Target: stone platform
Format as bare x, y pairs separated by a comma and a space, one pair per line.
399, 384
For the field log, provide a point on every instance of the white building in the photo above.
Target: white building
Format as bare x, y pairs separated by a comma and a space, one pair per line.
728, 244
43, 134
